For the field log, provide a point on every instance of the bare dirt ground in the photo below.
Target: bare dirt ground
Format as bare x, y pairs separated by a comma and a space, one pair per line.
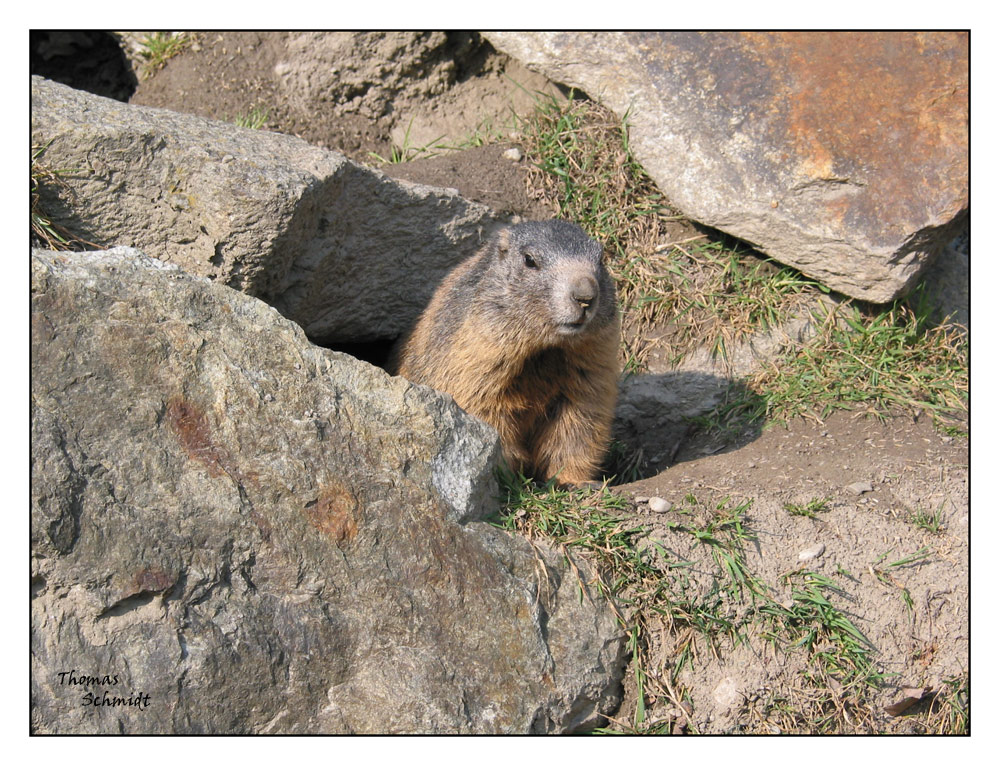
909, 466
914, 615
227, 75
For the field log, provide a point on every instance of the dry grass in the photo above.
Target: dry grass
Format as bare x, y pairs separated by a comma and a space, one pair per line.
682, 288
44, 231
681, 611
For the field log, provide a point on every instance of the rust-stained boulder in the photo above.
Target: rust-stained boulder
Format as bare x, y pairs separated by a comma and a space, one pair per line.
235, 531
844, 155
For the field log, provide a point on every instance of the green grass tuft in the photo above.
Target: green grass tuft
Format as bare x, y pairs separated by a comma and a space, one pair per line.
880, 360
160, 47
407, 152
928, 520
255, 119
810, 509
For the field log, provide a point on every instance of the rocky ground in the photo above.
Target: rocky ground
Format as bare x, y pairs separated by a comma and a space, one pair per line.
871, 478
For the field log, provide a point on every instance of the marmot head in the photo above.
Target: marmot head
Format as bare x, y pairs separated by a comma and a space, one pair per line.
554, 272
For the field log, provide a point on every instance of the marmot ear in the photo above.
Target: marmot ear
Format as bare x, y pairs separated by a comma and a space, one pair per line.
502, 238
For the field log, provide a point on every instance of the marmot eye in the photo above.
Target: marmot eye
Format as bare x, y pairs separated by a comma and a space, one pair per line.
529, 261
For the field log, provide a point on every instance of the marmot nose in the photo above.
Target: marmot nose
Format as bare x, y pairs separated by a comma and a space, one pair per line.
584, 289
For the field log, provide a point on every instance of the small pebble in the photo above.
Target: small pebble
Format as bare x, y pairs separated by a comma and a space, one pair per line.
812, 553
513, 154
659, 505
727, 694
640, 499
860, 487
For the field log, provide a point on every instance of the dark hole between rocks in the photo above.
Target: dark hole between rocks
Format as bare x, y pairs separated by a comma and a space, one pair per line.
85, 60
374, 352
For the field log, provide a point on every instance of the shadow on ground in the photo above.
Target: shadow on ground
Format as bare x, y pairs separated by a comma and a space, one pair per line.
667, 418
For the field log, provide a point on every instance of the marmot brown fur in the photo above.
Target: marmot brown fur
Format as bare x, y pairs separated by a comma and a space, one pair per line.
525, 336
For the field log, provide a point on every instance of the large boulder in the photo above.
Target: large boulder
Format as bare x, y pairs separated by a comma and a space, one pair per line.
844, 155
235, 531
343, 250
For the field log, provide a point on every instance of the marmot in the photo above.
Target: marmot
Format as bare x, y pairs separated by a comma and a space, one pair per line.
524, 335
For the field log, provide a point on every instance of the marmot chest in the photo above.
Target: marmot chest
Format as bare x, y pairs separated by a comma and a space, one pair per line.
540, 388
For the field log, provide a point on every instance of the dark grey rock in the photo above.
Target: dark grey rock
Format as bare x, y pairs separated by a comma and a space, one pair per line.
345, 251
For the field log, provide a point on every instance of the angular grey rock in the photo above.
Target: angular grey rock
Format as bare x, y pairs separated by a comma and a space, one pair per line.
844, 155
343, 250
244, 533
311, 68
859, 487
